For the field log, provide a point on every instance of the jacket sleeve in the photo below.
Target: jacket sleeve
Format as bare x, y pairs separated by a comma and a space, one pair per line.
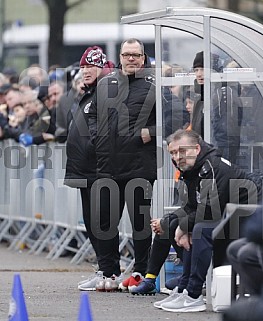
167, 218
12, 132
186, 223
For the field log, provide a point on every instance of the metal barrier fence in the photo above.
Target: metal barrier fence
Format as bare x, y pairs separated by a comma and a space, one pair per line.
38, 211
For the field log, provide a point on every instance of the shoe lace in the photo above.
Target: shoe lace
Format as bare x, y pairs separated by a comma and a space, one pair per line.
174, 292
98, 274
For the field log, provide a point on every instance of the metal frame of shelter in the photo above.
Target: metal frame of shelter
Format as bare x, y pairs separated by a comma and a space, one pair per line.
238, 36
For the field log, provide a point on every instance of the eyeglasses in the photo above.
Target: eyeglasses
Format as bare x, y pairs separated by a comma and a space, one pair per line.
127, 55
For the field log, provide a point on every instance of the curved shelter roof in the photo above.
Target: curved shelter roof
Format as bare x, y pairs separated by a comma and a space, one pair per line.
239, 36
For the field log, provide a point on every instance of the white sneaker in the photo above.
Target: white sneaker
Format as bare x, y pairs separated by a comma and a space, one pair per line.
174, 294
184, 303
100, 284
90, 283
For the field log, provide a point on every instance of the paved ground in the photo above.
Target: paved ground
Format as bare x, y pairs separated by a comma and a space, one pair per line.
51, 295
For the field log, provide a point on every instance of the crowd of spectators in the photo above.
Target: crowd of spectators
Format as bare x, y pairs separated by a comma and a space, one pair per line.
35, 105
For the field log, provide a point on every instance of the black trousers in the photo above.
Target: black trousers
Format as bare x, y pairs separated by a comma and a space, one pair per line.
161, 247
108, 199
196, 261
86, 209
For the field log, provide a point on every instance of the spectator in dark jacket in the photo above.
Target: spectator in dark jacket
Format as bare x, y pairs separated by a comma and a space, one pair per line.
16, 123
226, 110
81, 156
122, 119
67, 106
38, 127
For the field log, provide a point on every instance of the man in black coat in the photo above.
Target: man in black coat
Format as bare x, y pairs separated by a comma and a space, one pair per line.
122, 122
81, 156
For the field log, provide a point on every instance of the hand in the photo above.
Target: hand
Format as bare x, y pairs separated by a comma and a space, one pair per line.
156, 226
145, 135
178, 234
183, 239
184, 242
26, 139
3, 109
48, 137
13, 122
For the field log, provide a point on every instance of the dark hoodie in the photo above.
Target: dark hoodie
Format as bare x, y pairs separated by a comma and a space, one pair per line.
206, 188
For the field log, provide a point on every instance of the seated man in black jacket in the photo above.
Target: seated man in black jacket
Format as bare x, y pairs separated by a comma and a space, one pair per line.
208, 182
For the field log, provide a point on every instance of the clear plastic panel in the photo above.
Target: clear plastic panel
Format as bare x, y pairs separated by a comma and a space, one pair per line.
178, 50
237, 93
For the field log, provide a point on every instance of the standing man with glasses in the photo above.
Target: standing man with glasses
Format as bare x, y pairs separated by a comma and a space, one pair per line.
122, 121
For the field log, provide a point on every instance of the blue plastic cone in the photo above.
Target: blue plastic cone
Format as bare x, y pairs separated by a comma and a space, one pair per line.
17, 306
85, 311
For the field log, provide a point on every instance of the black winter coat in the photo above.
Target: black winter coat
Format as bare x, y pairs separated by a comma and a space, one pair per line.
122, 107
81, 156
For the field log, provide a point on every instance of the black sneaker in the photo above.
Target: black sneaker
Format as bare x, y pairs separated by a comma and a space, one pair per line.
146, 287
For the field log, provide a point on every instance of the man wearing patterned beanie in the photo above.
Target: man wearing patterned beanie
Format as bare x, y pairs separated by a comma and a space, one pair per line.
81, 156
94, 64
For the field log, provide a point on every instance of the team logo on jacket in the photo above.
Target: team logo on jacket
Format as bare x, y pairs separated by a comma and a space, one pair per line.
86, 108
150, 79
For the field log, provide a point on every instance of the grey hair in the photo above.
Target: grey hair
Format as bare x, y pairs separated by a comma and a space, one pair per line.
33, 93
194, 137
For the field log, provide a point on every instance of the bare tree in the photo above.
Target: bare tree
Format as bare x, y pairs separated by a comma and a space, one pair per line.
57, 10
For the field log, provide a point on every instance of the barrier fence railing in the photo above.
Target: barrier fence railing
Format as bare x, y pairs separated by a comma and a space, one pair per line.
38, 211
